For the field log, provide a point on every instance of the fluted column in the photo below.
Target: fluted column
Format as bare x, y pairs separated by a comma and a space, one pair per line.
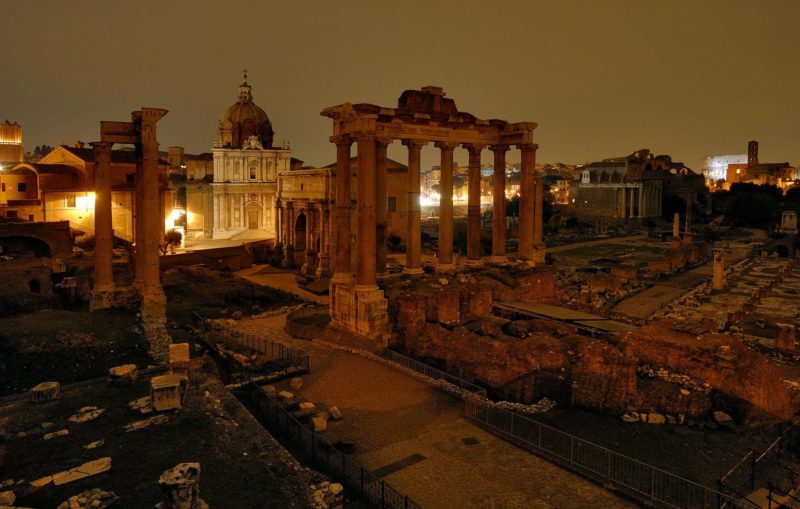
413, 236
103, 229
538, 220
474, 205
641, 201
526, 202
499, 204
365, 203
342, 267
381, 250
148, 271
446, 207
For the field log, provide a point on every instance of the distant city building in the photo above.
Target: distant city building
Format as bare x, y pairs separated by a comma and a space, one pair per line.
11, 149
632, 186
722, 171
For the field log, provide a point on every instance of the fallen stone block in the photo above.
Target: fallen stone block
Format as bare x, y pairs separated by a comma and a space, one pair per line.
56, 434
269, 390
90, 499
45, 391
88, 469
124, 374
166, 391
320, 422
95, 444
306, 405
656, 418
42, 481
286, 396
142, 405
86, 414
7, 498
629, 418
302, 414
155, 420
296, 383
722, 418
335, 413
180, 486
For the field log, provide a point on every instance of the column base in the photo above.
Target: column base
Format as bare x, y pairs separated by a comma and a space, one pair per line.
498, 259
101, 299
361, 309
324, 267
475, 263
539, 254
445, 267
415, 271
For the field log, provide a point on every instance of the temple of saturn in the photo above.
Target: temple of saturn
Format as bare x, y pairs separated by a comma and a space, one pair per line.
421, 117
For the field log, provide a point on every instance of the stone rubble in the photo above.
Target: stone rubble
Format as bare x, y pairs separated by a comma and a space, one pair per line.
327, 495
137, 425
180, 486
90, 499
95, 444
56, 434
86, 414
45, 391
124, 374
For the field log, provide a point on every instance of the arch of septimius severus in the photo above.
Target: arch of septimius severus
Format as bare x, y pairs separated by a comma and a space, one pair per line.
421, 117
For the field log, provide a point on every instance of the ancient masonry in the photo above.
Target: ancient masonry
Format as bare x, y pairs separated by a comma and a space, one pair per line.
141, 132
421, 117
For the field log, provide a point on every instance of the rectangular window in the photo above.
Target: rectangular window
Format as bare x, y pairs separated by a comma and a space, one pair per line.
392, 205
252, 173
70, 201
3, 187
130, 178
21, 187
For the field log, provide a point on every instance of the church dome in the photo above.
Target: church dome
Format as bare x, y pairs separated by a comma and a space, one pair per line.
242, 120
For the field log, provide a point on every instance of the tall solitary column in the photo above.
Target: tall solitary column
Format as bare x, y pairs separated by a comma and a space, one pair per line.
538, 221
342, 270
382, 250
148, 206
526, 202
365, 203
446, 208
474, 205
413, 236
718, 281
499, 204
103, 229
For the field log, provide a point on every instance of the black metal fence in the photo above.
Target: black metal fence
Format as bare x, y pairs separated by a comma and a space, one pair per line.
338, 464
646, 483
431, 372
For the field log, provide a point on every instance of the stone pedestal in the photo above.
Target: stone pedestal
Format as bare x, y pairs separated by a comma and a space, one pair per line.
361, 309
718, 281
324, 266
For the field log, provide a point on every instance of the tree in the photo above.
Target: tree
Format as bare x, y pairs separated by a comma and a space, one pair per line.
172, 241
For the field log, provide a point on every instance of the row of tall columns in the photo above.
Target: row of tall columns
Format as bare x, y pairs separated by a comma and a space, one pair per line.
527, 203
103, 228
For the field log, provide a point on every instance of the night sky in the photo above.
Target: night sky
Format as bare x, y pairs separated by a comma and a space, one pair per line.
602, 78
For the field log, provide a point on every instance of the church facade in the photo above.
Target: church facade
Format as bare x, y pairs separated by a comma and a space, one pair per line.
238, 199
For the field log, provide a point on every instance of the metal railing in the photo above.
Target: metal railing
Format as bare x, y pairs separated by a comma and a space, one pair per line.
646, 483
321, 452
275, 350
431, 372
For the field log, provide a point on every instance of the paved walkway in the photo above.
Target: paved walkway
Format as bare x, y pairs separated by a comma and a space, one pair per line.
417, 437
268, 275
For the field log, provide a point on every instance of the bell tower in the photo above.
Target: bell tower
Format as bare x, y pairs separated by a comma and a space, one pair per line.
752, 153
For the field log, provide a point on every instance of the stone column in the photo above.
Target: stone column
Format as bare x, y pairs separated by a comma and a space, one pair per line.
676, 225
538, 221
640, 191
381, 250
324, 265
413, 235
288, 236
474, 205
499, 204
526, 202
446, 208
342, 267
365, 210
631, 208
103, 229
718, 281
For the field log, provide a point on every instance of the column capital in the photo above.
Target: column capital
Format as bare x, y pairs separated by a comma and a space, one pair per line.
446, 145
414, 144
365, 135
527, 146
474, 147
384, 140
499, 148
342, 139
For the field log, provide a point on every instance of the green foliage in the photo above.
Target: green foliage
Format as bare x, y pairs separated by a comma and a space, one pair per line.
752, 209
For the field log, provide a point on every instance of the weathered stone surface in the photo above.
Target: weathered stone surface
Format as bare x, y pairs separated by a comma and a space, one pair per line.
7, 498
90, 499
286, 396
296, 383
166, 391
180, 486
306, 405
155, 420
721, 417
126, 373
656, 418
335, 413
55, 434
45, 391
142, 405
320, 422
95, 444
86, 414
630, 418
269, 390
88, 469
